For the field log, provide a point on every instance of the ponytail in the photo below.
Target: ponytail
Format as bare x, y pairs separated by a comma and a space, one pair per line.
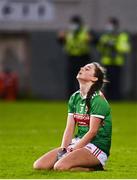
100, 74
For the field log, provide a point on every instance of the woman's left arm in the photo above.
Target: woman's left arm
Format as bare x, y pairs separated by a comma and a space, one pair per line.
94, 126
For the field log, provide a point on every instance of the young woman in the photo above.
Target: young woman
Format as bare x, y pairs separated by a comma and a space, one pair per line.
90, 111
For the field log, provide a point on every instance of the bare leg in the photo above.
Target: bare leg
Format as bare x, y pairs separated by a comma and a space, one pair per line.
46, 161
79, 158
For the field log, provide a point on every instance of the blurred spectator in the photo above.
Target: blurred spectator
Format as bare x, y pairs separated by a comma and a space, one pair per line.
1, 85
113, 47
8, 85
76, 41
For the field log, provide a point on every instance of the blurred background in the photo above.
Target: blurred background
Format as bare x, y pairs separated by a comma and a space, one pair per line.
43, 43
33, 60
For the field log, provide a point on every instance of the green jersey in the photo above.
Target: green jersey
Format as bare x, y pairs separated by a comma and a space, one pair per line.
99, 108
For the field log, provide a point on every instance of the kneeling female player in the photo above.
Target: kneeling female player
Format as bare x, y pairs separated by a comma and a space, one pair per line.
89, 110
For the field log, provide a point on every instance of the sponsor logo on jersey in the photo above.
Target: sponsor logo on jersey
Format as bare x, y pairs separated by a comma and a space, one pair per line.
82, 119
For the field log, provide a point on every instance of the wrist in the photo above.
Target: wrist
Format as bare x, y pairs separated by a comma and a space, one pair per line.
61, 153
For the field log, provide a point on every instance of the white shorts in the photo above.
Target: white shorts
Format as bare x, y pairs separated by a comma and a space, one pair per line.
98, 153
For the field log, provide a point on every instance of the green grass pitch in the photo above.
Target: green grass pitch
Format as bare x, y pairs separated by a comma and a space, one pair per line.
29, 129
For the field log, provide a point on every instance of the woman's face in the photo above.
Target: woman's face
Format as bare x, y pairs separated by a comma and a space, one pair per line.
87, 73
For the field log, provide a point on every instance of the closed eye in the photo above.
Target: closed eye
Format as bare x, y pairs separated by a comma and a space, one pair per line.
87, 69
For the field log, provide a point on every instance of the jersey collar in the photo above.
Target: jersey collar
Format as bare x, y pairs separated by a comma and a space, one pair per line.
84, 97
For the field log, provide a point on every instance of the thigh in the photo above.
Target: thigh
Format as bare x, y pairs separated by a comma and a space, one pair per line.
46, 161
78, 158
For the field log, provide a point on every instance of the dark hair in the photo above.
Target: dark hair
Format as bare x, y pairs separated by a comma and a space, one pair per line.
114, 21
100, 73
76, 19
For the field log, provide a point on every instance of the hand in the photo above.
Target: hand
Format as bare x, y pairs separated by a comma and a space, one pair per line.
70, 149
61, 153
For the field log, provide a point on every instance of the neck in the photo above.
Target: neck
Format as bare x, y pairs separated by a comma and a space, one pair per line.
84, 88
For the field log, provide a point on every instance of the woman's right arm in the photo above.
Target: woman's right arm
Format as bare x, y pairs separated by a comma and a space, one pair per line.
69, 130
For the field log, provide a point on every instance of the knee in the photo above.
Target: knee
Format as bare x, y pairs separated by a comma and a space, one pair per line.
37, 165
61, 166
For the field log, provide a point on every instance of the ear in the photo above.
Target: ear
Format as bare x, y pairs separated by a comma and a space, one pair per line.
94, 79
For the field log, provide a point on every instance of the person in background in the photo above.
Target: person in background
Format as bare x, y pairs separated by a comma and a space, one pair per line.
76, 41
1, 85
8, 85
113, 46
90, 112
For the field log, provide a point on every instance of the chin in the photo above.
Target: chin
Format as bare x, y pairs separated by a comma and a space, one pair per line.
80, 79
77, 77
